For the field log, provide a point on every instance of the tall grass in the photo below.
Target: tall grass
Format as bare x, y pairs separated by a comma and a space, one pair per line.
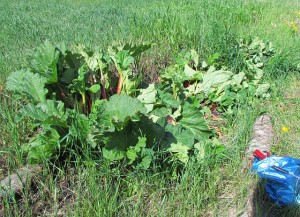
208, 26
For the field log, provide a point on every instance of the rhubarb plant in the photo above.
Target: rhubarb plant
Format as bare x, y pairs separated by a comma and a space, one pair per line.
77, 97
123, 58
59, 89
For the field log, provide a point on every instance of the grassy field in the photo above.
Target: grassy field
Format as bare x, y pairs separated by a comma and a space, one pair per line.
213, 188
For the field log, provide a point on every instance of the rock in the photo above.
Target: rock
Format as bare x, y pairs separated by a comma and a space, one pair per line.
14, 183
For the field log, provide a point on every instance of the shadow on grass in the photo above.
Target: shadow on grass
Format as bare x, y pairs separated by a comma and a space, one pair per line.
264, 207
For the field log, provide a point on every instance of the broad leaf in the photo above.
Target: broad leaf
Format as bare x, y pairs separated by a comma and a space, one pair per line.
134, 151
121, 109
238, 78
117, 143
194, 121
182, 135
189, 72
43, 146
213, 79
26, 83
262, 89
148, 97
94, 88
45, 59
48, 113
147, 157
180, 151
168, 99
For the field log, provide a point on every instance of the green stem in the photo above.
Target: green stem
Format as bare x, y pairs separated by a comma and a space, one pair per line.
83, 97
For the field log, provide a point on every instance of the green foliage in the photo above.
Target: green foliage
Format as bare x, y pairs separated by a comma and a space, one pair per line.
61, 87
49, 113
123, 58
44, 61
120, 109
208, 82
43, 145
68, 94
26, 83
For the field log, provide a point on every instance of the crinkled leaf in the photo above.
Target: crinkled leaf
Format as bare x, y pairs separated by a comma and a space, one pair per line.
189, 72
204, 64
137, 50
49, 113
121, 57
100, 118
262, 89
227, 98
259, 74
200, 147
125, 55
133, 152
147, 157
43, 146
206, 149
74, 60
238, 78
152, 131
194, 121
78, 84
178, 75
181, 135
91, 59
213, 79
168, 100
68, 76
45, 59
180, 151
123, 108
161, 112
148, 97
25, 83
117, 143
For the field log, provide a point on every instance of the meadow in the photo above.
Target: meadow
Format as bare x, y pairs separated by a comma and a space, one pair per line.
83, 185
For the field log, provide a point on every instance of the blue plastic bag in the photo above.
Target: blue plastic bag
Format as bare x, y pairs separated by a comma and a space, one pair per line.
282, 178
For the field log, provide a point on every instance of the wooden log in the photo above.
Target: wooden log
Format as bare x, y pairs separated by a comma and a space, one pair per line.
263, 137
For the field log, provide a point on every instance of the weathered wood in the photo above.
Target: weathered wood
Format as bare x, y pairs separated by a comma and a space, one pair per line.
263, 137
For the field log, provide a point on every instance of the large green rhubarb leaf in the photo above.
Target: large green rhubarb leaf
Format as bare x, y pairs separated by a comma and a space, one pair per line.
117, 143
181, 135
50, 113
45, 59
148, 97
213, 79
194, 121
121, 109
26, 83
